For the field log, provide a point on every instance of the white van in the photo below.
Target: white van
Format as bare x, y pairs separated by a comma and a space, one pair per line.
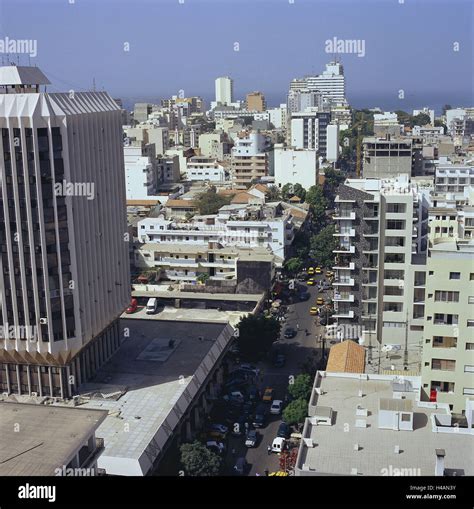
151, 306
278, 444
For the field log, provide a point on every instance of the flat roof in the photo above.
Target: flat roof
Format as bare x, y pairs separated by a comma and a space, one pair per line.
37, 439
154, 374
333, 452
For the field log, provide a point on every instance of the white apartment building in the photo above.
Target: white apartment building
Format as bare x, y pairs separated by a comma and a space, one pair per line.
278, 116
429, 134
262, 226
332, 142
309, 130
249, 158
452, 182
64, 265
215, 145
201, 168
224, 90
331, 83
295, 166
141, 175
382, 228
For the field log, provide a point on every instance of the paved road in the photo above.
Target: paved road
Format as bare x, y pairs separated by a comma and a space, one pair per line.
297, 351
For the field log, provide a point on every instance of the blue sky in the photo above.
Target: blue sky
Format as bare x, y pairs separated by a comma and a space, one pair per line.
186, 46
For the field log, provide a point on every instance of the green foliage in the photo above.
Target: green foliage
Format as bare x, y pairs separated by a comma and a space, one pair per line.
301, 387
274, 194
318, 203
322, 246
256, 335
290, 190
421, 119
301, 244
296, 412
198, 460
210, 202
202, 278
332, 180
293, 265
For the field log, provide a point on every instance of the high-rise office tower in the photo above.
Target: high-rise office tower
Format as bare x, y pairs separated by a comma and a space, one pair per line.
224, 90
64, 269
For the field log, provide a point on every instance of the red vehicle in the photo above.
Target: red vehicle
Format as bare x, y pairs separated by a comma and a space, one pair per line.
133, 307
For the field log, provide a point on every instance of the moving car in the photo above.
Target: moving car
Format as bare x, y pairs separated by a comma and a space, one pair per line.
289, 333
310, 282
133, 307
313, 311
278, 444
283, 430
329, 273
152, 306
252, 438
267, 395
310, 270
319, 301
318, 270
276, 407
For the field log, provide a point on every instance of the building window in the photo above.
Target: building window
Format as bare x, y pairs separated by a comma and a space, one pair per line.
406, 417
445, 296
443, 364
454, 275
470, 323
468, 369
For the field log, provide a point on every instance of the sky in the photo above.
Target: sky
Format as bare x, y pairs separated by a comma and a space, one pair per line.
150, 49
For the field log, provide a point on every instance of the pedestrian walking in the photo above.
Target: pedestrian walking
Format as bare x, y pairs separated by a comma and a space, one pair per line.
297, 326
269, 450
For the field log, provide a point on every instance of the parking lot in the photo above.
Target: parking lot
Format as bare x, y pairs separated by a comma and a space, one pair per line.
306, 344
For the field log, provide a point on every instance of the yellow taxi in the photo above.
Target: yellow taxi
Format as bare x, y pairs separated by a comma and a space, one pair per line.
268, 394
313, 311
319, 301
310, 282
329, 273
318, 270
310, 271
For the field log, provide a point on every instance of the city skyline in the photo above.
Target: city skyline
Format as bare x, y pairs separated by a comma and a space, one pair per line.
122, 60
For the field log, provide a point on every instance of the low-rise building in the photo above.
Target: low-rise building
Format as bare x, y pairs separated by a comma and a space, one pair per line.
205, 169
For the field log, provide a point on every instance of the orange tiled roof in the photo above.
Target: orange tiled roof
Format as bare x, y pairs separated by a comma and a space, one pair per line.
346, 357
180, 203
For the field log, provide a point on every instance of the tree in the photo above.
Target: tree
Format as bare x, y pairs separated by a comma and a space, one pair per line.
290, 190
293, 265
301, 387
323, 245
202, 277
332, 180
210, 202
296, 411
446, 107
198, 460
421, 119
256, 335
318, 203
274, 194
301, 244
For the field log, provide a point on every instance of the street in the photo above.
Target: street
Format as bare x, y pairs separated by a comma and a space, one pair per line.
298, 350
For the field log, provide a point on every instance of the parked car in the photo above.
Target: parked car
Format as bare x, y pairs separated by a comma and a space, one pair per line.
215, 446
276, 407
260, 416
283, 430
252, 438
278, 444
152, 306
133, 307
289, 333
252, 393
221, 428
267, 395
216, 435
241, 466
319, 301
249, 368
247, 409
280, 360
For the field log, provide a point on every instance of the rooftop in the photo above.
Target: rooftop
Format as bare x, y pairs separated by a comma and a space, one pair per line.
37, 439
346, 357
22, 75
333, 448
153, 376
